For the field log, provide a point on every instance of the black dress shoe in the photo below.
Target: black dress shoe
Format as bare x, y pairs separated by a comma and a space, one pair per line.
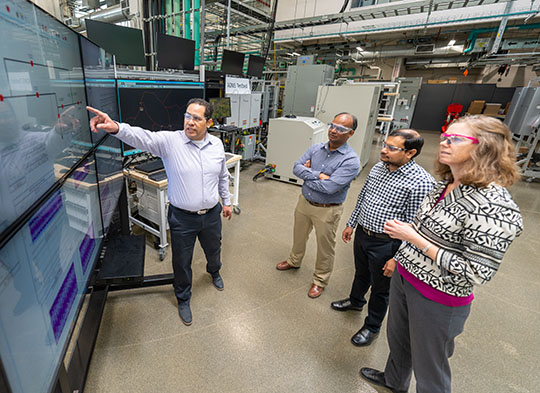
345, 305
363, 337
185, 313
218, 282
376, 377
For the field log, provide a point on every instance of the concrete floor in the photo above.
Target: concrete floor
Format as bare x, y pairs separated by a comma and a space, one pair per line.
264, 334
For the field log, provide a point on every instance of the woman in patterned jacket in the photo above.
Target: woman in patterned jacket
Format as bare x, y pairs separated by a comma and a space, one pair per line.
457, 240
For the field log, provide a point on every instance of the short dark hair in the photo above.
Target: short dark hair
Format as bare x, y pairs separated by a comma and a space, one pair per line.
208, 108
413, 140
354, 119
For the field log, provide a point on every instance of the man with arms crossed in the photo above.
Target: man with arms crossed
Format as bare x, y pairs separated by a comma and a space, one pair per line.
327, 170
195, 164
394, 189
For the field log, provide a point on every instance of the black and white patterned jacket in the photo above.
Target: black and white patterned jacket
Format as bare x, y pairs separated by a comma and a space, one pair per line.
472, 226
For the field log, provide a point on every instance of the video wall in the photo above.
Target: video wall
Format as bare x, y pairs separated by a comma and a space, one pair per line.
59, 186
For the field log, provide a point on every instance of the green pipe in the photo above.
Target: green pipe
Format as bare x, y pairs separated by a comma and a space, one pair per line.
168, 22
197, 29
474, 33
187, 19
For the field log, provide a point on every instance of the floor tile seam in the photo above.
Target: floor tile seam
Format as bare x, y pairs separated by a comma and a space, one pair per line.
203, 328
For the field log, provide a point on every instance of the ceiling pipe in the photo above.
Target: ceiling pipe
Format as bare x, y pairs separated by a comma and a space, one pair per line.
474, 33
441, 51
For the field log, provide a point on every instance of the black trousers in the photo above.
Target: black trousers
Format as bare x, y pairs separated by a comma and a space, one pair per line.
370, 255
185, 228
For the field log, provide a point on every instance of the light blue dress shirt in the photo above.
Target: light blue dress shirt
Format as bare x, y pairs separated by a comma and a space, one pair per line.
197, 175
342, 165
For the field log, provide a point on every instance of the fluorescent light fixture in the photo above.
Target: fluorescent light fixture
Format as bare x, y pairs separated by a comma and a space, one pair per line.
359, 49
296, 54
452, 42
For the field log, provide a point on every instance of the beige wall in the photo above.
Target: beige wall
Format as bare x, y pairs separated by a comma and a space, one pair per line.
51, 6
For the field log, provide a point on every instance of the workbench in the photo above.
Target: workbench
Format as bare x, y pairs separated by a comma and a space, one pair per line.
152, 201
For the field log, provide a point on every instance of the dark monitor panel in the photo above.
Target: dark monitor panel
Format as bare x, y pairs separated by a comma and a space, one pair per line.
125, 43
232, 62
175, 52
155, 105
100, 83
222, 107
255, 66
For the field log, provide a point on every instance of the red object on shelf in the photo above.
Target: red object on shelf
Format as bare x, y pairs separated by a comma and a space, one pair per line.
453, 111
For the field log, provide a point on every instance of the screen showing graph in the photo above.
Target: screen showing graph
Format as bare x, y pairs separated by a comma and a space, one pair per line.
44, 269
42, 105
155, 105
51, 216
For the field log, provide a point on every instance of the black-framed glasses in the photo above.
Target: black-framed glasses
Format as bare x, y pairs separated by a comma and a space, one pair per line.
392, 147
339, 128
197, 119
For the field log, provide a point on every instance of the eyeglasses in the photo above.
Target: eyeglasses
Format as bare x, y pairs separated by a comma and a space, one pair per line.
392, 147
457, 139
189, 116
338, 128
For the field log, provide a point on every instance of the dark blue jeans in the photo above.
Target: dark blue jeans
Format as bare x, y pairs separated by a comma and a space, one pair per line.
370, 255
185, 228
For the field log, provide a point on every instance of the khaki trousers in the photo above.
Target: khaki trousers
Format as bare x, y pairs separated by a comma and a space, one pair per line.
326, 221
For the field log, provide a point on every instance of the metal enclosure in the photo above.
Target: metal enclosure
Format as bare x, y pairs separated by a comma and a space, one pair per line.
270, 101
406, 102
234, 120
362, 100
301, 88
245, 111
249, 143
524, 110
255, 110
288, 139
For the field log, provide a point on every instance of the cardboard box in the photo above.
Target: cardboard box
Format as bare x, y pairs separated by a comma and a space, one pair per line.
491, 109
437, 81
476, 107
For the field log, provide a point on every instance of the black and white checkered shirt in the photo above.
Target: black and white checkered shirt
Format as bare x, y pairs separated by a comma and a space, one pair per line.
388, 195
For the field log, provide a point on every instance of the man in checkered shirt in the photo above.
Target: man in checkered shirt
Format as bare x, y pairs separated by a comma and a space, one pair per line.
394, 189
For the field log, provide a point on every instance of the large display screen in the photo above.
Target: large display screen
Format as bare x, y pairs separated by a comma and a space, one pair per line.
43, 119
155, 105
125, 43
232, 62
175, 52
255, 66
44, 269
99, 80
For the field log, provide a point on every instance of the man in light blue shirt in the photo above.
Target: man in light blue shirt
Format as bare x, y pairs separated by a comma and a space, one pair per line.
197, 173
327, 170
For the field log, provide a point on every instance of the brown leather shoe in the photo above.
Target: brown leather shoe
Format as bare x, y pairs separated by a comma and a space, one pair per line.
315, 291
285, 266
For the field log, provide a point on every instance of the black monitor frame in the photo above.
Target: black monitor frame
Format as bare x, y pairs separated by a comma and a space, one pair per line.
175, 52
125, 43
255, 66
232, 62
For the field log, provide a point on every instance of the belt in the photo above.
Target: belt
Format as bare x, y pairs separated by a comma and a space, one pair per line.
198, 212
376, 235
323, 204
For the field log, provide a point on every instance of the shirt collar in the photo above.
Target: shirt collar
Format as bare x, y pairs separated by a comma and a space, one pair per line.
405, 168
342, 149
207, 138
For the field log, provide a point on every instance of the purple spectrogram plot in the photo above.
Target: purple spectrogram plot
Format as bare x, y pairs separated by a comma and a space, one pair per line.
62, 303
42, 218
86, 249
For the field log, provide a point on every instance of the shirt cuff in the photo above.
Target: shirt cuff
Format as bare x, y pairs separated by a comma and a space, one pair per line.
226, 201
352, 224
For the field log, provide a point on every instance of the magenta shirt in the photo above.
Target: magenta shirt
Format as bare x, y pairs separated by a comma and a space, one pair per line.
432, 293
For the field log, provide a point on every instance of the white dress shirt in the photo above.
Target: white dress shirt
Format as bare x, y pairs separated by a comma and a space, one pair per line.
197, 175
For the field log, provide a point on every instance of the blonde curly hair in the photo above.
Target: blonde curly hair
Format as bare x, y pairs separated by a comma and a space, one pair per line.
493, 161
